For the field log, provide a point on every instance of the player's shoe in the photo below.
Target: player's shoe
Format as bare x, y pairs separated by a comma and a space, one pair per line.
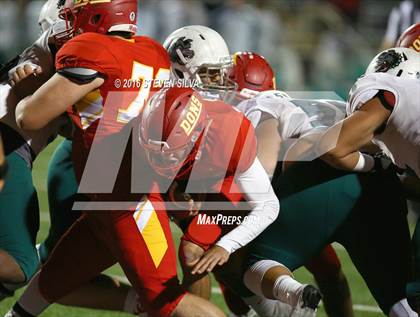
308, 302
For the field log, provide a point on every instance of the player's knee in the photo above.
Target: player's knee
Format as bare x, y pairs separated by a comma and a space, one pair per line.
189, 254
17, 267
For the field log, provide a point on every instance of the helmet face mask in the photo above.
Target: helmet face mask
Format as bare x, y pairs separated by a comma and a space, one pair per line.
69, 17
215, 77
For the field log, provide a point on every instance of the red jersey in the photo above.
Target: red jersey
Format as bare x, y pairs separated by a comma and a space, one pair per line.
231, 145
129, 67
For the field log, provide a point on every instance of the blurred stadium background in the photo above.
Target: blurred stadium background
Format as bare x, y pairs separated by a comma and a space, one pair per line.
313, 45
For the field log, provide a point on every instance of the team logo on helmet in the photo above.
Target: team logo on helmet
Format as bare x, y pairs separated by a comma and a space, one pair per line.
180, 52
388, 60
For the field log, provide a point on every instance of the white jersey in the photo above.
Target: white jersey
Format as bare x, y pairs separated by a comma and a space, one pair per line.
38, 53
297, 118
400, 140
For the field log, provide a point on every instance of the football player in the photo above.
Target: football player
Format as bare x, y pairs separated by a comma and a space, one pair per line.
253, 74
103, 292
200, 58
383, 109
19, 259
282, 125
91, 68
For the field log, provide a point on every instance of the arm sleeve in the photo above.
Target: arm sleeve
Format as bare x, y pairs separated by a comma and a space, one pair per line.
257, 189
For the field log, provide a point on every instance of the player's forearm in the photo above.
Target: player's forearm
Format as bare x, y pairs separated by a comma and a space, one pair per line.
257, 189
25, 117
355, 161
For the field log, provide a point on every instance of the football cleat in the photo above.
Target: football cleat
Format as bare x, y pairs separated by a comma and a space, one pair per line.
308, 302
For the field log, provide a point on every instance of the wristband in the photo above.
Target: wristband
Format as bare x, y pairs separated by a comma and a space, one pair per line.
365, 163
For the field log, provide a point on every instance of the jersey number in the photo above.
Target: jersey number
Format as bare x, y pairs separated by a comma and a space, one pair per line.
142, 74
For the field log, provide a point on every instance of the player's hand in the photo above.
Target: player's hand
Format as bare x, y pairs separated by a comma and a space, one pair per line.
214, 256
23, 71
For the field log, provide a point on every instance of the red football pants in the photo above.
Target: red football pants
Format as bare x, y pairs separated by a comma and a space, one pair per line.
140, 241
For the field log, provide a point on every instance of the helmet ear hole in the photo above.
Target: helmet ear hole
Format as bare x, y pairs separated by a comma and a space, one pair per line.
95, 19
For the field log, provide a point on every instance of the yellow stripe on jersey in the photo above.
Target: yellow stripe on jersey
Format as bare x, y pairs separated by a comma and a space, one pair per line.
151, 230
90, 108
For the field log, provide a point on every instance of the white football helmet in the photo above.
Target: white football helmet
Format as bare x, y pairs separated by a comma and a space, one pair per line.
200, 53
398, 61
48, 15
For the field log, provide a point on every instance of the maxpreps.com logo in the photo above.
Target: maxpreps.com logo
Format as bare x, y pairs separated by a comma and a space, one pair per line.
191, 118
81, 3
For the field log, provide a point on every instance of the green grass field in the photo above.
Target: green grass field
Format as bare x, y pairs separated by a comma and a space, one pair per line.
365, 306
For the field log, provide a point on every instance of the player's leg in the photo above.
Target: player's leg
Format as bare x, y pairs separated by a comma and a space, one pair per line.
315, 200
231, 275
142, 243
377, 227
189, 254
62, 189
19, 223
102, 292
197, 239
77, 258
330, 278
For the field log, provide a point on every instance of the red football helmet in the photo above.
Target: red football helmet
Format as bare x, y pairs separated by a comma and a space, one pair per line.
410, 38
252, 72
173, 127
99, 16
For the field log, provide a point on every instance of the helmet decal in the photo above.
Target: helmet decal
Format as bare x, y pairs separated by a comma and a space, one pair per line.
180, 52
388, 60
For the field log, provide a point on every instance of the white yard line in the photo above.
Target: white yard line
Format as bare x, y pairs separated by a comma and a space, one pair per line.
44, 216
